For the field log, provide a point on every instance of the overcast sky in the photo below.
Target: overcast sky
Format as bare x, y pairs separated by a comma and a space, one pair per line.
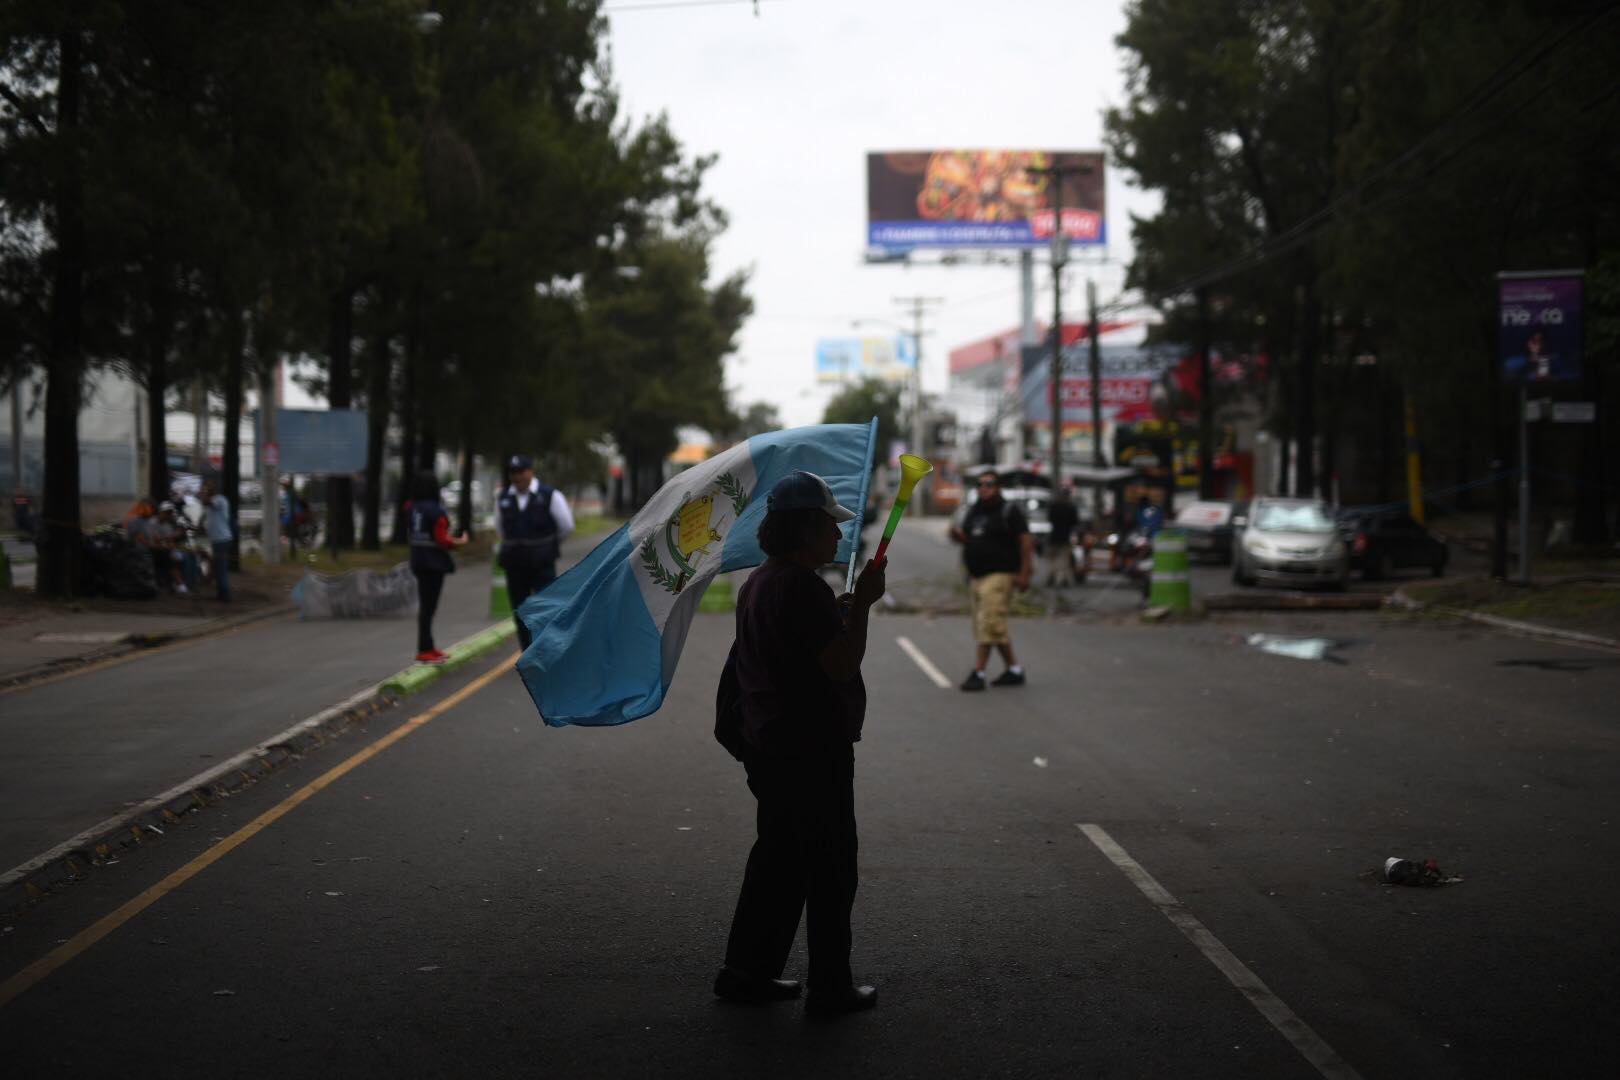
793, 99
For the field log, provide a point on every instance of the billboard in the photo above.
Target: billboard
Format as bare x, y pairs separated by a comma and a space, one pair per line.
1131, 382
321, 441
981, 198
1539, 326
852, 359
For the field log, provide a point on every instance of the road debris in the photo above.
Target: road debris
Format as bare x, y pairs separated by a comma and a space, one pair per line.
1295, 648
1399, 871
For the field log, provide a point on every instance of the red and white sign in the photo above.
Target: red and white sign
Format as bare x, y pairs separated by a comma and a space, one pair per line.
272, 454
1077, 224
1124, 401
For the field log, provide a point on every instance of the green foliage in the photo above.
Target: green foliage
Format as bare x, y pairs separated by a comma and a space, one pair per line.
1347, 178
463, 196
859, 402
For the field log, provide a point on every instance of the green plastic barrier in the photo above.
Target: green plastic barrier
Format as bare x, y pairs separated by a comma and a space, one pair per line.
500, 604
1169, 586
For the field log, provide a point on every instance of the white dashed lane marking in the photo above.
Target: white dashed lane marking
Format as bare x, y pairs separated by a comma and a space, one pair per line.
923, 662
1296, 1031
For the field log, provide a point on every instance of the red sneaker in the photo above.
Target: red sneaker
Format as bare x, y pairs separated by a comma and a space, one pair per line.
433, 656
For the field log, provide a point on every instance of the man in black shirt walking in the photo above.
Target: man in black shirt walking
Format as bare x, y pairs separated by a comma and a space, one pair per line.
1000, 555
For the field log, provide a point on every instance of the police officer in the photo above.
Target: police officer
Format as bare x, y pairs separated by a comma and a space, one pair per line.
431, 544
533, 520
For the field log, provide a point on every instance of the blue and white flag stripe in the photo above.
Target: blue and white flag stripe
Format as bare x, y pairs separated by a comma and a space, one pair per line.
607, 635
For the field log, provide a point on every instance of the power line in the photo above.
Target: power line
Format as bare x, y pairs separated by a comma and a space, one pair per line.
659, 5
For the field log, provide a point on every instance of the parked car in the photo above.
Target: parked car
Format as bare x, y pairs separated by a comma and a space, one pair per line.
1029, 491
1291, 541
1208, 526
1382, 541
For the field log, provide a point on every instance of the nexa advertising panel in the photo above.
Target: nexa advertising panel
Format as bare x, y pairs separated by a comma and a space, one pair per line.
983, 198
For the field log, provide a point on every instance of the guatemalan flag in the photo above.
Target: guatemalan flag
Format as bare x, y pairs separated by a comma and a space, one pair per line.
606, 635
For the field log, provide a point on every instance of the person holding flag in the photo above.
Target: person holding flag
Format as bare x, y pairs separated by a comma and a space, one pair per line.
801, 704
606, 637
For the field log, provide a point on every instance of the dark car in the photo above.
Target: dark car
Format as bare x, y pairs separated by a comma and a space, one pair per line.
1382, 541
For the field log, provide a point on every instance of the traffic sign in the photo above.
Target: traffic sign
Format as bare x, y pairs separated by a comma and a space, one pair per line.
1574, 412
272, 454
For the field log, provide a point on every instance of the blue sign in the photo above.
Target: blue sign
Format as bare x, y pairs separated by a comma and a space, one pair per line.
322, 441
853, 359
1539, 326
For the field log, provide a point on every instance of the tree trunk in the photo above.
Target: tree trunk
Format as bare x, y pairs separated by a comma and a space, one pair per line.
59, 553
157, 386
340, 395
1590, 527
1500, 434
464, 513
1310, 338
381, 375
1386, 466
427, 448
1285, 436
1206, 404
1465, 452
407, 443
231, 465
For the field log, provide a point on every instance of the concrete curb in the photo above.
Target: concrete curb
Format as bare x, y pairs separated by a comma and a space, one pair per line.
1512, 626
1284, 601
134, 642
72, 859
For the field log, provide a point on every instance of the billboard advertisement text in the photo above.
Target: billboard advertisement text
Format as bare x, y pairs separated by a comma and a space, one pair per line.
892, 359
1129, 376
982, 198
1539, 327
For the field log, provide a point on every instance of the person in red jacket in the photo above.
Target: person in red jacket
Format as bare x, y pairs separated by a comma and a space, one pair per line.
431, 544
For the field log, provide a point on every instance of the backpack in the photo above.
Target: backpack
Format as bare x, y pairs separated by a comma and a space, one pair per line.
728, 716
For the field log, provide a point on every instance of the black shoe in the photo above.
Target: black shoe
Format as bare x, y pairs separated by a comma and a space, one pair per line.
974, 681
850, 999
1008, 678
734, 986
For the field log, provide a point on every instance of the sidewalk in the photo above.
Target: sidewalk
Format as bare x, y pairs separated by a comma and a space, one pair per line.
85, 748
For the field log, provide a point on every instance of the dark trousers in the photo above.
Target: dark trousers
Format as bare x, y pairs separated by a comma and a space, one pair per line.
222, 569
428, 587
802, 861
523, 582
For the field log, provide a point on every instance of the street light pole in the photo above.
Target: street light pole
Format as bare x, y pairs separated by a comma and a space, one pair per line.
1060, 255
919, 306
1058, 259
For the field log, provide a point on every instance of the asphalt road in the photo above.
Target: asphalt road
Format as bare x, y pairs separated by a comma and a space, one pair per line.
488, 896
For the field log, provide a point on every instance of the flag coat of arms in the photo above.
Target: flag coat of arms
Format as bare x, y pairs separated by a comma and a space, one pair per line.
607, 635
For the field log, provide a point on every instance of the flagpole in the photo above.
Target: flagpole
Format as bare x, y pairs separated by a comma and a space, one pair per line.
860, 505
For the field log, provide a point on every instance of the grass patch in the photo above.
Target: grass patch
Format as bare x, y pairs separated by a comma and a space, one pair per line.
719, 598
1592, 606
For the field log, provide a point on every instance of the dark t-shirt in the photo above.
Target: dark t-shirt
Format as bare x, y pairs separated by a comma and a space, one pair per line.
1064, 517
993, 527
786, 615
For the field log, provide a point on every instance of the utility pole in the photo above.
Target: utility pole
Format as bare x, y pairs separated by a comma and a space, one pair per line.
1094, 332
1060, 255
919, 308
270, 463
1206, 407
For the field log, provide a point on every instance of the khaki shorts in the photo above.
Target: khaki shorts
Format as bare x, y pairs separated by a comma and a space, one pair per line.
992, 599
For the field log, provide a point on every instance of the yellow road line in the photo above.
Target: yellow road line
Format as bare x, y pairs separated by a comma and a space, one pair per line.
42, 968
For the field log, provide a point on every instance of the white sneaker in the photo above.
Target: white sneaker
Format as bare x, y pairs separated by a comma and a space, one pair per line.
181, 589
